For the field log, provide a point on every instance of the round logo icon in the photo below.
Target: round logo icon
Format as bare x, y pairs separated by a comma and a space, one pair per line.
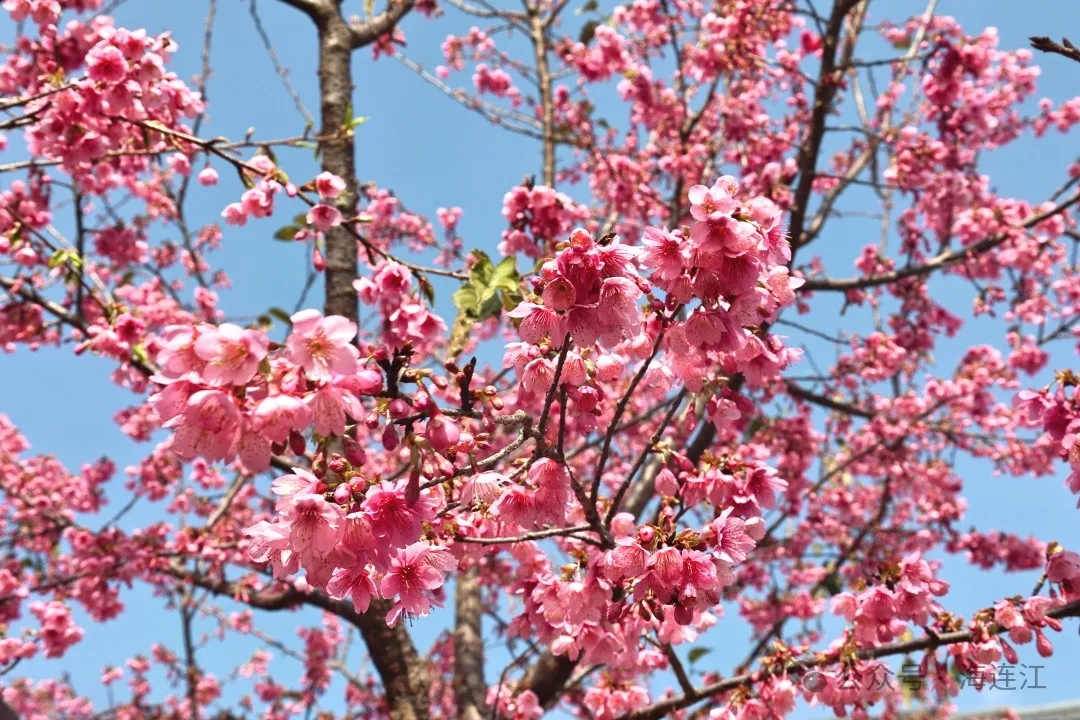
814, 681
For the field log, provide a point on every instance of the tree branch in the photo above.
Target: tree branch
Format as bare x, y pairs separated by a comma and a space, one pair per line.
1065, 49
827, 402
937, 262
823, 98
470, 691
930, 642
367, 32
391, 649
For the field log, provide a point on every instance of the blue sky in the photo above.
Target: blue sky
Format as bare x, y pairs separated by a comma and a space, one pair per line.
434, 153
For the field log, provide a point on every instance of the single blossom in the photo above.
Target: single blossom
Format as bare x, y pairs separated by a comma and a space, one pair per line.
323, 345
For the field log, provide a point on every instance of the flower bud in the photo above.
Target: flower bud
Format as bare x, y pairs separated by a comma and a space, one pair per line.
442, 433
390, 437
354, 453
398, 408
337, 464
1042, 644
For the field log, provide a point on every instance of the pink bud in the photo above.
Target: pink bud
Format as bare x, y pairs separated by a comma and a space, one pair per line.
354, 453
666, 484
390, 437
683, 615
442, 433
412, 490
1042, 644
337, 464
297, 443
623, 525
398, 408
341, 494
208, 176
1010, 652
587, 399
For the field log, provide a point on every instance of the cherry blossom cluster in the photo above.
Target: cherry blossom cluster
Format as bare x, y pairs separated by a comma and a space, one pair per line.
225, 395
645, 455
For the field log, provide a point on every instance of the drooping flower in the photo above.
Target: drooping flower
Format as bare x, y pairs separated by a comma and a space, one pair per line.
414, 571
314, 524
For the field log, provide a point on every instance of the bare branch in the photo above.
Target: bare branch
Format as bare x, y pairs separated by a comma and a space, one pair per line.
827, 402
1065, 48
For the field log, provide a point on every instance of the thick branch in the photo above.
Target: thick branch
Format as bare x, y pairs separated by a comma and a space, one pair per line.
367, 32
338, 157
311, 8
547, 101
827, 86
470, 691
403, 674
391, 650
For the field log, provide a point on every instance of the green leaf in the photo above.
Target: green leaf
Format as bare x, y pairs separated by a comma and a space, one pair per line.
511, 300
139, 353
696, 653
505, 275
482, 267
465, 299
244, 179
489, 289
490, 305
286, 233
588, 32
832, 585
589, 6
59, 258
426, 288
280, 314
